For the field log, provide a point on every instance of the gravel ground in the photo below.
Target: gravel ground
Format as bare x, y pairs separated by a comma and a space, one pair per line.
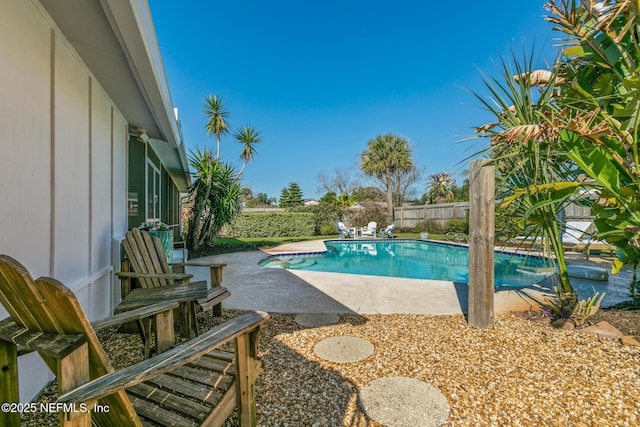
515, 373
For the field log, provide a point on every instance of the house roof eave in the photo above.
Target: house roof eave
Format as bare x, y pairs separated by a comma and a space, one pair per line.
116, 39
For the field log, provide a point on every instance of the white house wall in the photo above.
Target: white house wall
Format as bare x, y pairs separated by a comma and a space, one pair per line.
71, 169
62, 167
25, 143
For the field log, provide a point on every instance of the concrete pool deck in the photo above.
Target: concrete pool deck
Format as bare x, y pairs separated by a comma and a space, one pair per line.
296, 291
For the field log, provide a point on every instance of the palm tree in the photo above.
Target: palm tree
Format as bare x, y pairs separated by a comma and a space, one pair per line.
385, 155
535, 178
217, 123
345, 201
587, 124
215, 196
248, 136
440, 187
598, 115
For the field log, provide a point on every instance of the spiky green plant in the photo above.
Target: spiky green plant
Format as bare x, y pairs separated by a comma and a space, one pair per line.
591, 113
217, 118
248, 137
535, 179
600, 115
215, 197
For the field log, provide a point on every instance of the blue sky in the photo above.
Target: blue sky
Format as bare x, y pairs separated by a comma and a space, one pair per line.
319, 79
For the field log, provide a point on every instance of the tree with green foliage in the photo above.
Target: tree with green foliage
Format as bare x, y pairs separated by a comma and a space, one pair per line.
261, 199
577, 138
384, 157
528, 167
344, 201
440, 189
368, 194
215, 198
596, 119
217, 118
249, 137
291, 196
328, 198
461, 194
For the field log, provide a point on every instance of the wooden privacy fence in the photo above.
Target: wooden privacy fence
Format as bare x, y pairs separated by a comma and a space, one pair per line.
410, 216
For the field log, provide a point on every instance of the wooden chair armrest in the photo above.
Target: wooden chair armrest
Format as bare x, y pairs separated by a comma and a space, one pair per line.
175, 276
215, 269
137, 314
165, 362
198, 264
54, 345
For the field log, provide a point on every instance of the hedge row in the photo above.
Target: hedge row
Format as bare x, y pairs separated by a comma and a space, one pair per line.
272, 224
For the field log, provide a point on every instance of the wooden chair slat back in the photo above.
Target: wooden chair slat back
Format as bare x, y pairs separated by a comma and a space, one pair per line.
146, 255
156, 252
48, 306
137, 261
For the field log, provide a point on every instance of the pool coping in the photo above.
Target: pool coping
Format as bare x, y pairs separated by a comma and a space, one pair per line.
298, 291
436, 242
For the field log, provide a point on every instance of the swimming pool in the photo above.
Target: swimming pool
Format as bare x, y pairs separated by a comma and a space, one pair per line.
415, 259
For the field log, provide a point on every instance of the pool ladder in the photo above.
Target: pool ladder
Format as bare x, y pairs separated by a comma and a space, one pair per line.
456, 237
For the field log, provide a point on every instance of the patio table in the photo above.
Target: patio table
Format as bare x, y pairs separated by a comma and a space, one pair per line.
187, 294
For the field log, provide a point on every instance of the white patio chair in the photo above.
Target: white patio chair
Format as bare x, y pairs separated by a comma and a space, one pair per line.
369, 230
343, 230
388, 231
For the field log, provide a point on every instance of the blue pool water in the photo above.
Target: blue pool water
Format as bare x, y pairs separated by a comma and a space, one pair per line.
412, 259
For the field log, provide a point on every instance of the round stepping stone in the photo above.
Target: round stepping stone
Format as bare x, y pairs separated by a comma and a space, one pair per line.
344, 349
404, 402
313, 320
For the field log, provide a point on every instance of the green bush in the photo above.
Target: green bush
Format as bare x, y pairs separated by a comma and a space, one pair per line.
369, 214
432, 226
506, 223
328, 228
273, 224
325, 214
457, 226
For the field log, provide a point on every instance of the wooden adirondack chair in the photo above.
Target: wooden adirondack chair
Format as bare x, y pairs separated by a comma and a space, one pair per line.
147, 263
192, 384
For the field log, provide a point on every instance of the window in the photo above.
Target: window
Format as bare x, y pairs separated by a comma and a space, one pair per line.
153, 193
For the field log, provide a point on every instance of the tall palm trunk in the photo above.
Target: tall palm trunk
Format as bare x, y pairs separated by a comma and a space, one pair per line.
389, 195
244, 164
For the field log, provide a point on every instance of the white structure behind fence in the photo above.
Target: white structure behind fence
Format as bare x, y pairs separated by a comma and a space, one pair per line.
411, 216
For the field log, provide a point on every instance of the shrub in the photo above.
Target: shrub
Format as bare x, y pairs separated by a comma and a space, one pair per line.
273, 224
325, 214
432, 226
506, 223
372, 213
458, 226
327, 228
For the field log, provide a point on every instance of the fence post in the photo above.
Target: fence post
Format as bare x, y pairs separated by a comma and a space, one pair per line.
481, 242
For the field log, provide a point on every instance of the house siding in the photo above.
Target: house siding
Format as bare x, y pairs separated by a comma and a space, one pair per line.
63, 167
